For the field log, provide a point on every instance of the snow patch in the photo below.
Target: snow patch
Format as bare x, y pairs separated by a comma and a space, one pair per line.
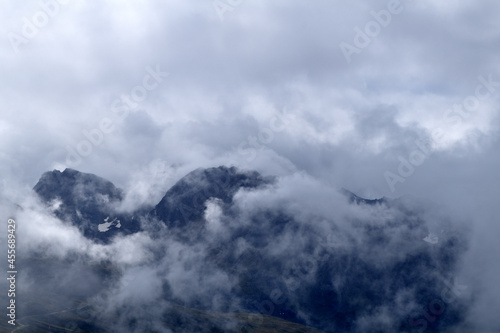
103, 227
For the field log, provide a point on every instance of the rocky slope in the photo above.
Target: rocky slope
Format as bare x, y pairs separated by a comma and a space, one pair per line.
378, 271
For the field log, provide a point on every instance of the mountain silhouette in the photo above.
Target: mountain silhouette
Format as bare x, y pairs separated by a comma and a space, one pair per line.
364, 270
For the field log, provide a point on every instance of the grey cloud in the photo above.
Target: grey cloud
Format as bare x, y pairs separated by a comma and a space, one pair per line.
348, 123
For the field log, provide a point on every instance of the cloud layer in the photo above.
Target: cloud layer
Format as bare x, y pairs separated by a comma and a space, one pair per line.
413, 113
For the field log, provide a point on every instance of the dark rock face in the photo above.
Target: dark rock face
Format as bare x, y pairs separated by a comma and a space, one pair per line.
185, 201
382, 277
87, 201
388, 276
353, 198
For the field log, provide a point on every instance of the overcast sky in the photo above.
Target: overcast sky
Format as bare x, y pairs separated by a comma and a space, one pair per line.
385, 98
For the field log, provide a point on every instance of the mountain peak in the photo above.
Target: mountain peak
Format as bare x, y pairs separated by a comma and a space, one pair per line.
89, 201
85, 200
185, 201
353, 198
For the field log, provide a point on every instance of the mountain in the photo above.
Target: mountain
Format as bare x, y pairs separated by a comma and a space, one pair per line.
370, 271
183, 206
88, 202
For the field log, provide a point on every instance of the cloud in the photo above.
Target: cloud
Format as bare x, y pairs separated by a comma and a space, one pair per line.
267, 88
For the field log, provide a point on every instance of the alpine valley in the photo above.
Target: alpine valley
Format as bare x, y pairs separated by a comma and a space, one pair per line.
229, 250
